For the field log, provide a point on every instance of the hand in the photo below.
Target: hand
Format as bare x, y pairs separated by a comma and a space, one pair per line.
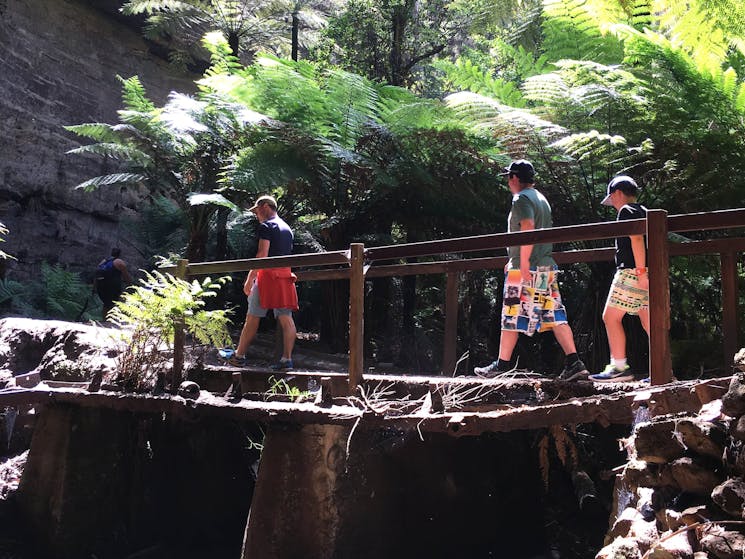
525, 273
248, 284
643, 281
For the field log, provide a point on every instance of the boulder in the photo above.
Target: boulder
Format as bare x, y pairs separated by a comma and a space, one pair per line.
737, 428
669, 520
733, 401
739, 362
676, 546
656, 442
620, 548
646, 474
702, 437
730, 496
693, 515
622, 525
694, 477
56, 350
723, 544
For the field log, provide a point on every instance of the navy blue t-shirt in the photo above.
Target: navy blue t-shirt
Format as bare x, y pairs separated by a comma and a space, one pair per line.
624, 254
279, 235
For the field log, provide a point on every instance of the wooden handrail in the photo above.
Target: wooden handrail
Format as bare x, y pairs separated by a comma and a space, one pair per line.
350, 266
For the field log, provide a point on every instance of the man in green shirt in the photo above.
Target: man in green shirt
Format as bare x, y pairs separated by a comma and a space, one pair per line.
531, 302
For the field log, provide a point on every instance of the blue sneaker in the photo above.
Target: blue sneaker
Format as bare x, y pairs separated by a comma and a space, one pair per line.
611, 373
282, 365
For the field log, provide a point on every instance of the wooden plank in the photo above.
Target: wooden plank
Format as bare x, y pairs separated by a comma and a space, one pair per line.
730, 299
356, 315
660, 366
291, 261
450, 336
614, 408
179, 336
709, 246
592, 231
722, 219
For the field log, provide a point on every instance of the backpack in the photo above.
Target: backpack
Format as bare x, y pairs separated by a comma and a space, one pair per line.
106, 270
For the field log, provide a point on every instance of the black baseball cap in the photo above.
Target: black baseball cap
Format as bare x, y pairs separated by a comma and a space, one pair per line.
522, 168
624, 183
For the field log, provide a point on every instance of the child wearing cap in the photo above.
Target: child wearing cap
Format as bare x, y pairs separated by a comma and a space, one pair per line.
629, 292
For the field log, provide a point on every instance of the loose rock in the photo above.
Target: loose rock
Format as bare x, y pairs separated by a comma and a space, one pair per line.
730, 496
693, 477
723, 544
620, 548
733, 402
702, 437
675, 547
656, 442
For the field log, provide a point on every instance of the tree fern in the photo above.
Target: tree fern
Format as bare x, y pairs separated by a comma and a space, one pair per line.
572, 29
465, 75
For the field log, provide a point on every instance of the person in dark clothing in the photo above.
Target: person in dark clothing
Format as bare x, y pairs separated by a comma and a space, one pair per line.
629, 292
108, 280
272, 288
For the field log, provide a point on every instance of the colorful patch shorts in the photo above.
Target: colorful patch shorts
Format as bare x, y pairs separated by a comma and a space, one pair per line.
534, 306
625, 293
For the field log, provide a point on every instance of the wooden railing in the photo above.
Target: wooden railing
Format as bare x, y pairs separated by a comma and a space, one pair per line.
357, 265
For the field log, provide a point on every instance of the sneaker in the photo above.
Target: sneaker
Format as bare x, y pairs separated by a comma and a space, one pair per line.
489, 371
613, 374
238, 361
575, 371
282, 365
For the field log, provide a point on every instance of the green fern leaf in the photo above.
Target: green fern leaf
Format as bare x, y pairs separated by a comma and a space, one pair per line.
108, 180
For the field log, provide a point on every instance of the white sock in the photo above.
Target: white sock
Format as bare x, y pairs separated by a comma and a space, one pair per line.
619, 363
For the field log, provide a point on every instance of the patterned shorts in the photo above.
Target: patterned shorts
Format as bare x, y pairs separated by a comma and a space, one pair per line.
625, 293
534, 306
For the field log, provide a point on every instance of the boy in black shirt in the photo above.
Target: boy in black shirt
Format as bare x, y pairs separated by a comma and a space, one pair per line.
629, 292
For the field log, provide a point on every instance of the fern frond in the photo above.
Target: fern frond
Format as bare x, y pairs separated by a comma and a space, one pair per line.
98, 131
108, 180
114, 151
134, 96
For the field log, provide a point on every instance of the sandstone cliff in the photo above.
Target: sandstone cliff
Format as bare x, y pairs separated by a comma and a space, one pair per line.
58, 65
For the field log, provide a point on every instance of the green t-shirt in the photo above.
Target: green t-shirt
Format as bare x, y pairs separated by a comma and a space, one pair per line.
530, 204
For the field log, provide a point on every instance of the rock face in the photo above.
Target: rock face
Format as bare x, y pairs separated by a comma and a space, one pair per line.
56, 350
687, 474
58, 66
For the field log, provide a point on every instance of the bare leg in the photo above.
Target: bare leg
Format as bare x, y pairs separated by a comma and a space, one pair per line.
507, 343
644, 317
289, 333
614, 328
565, 337
250, 328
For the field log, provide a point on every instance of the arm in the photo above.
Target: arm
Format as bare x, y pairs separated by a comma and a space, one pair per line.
263, 252
640, 258
121, 265
526, 250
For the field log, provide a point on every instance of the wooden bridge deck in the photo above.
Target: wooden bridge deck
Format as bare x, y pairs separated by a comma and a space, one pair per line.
456, 406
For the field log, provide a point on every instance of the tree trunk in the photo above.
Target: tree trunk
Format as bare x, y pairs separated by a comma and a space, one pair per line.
295, 28
234, 43
196, 250
221, 233
399, 18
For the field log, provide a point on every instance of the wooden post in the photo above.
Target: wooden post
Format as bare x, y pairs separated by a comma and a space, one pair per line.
729, 306
450, 337
356, 314
179, 336
660, 364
